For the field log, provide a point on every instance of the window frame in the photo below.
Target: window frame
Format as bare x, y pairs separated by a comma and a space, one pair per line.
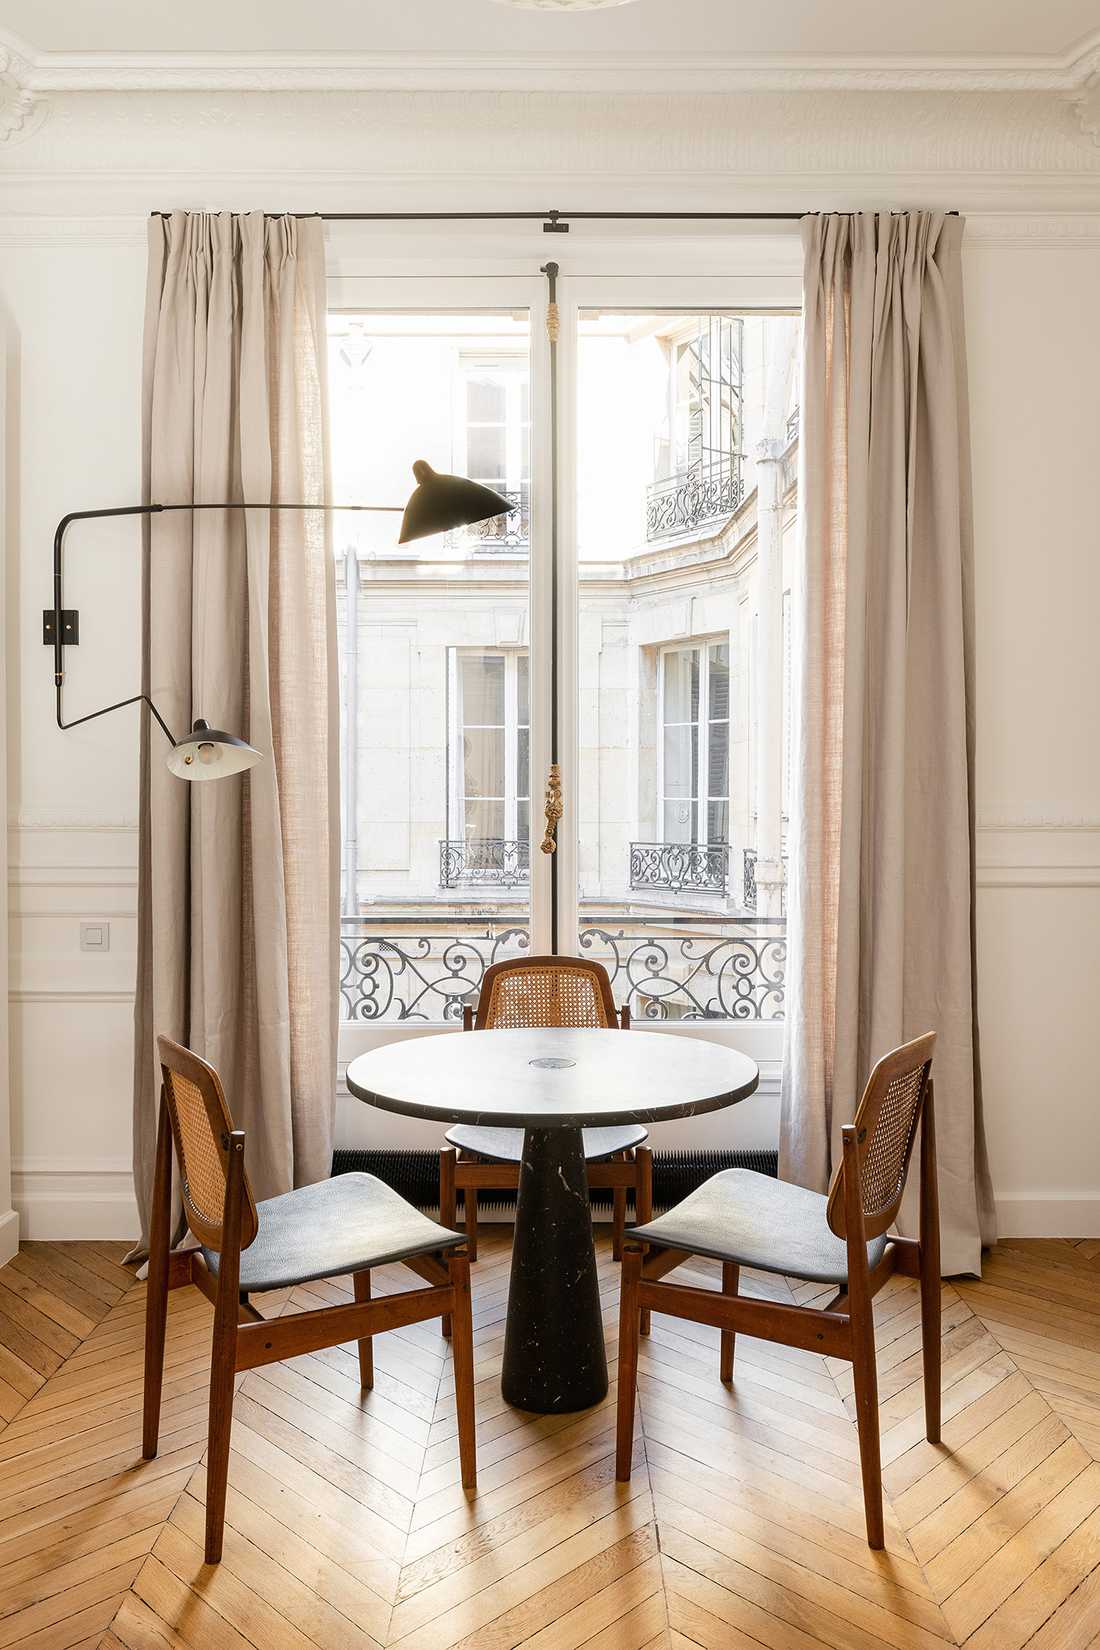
514, 371
456, 799
702, 799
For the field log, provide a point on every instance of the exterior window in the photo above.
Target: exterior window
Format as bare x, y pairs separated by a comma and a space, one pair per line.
489, 762
695, 743
494, 426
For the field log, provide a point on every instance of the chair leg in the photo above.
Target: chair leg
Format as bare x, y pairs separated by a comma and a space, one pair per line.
463, 1347
447, 1215
618, 1204
156, 1288
866, 1383
731, 1273
223, 1352
930, 1328
469, 1197
643, 1206
361, 1285
629, 1315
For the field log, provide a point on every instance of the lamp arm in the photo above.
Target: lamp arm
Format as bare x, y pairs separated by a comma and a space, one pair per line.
149, 510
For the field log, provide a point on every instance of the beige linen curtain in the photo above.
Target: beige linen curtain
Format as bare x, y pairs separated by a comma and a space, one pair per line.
239, 878
882, 876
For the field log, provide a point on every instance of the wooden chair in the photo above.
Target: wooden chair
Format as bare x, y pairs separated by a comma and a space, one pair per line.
544, 991
345, 1225
747, 1219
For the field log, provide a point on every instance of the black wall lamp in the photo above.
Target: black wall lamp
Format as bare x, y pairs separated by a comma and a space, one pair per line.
437, 504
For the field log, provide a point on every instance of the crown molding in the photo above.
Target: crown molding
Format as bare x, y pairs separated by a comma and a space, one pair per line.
38, 71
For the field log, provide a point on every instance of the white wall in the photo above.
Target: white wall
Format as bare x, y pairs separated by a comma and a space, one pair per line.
73, 196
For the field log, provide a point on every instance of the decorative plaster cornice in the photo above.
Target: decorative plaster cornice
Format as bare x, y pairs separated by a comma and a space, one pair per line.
21, 107
103, 71
1087, 104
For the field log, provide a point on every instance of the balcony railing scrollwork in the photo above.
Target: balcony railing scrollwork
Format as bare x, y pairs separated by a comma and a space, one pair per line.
684, 502
666, 969
700, 867
493, 861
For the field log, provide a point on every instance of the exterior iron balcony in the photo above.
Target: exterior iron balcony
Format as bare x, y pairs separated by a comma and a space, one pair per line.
679, 866
691, 499
495, 861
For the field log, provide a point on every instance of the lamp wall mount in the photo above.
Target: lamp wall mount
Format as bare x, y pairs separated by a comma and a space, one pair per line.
70, 626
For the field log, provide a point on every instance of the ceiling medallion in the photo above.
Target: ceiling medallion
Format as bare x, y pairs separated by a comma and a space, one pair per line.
563, 5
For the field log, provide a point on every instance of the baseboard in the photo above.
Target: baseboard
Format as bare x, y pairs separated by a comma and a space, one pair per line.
9, 1235
62, 1203
1053, 1217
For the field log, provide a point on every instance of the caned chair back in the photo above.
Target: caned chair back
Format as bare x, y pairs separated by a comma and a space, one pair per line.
201, 1126
545, 991
886, 1127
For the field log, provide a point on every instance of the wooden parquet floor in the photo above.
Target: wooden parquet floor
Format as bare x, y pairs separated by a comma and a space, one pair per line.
348, 1530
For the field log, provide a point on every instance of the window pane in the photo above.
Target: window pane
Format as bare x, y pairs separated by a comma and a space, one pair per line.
523, 782
681, 759
485, 452
482, 688
717, 821
523, 828
682, 685
484, 819
718, 761
483, 762
719, 707
485, 401
522, 675
679, 822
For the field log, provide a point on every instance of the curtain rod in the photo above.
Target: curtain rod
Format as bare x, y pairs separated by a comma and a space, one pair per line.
554, 222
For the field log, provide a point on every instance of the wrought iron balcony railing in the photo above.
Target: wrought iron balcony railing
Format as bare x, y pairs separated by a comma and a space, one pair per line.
695, 968
498, 861
684, 502
700, 867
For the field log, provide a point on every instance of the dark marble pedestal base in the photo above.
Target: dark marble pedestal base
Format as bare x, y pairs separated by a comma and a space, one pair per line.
554, 1356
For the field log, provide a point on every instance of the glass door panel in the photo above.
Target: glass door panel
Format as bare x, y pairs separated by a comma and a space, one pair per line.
436, 654
685, 421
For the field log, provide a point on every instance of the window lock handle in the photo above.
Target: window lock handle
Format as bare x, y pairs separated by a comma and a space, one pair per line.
552, 809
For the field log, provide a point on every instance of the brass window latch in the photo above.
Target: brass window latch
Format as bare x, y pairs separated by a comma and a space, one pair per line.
552, 809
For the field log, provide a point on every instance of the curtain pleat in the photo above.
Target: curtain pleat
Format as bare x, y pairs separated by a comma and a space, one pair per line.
881, 901
238, 892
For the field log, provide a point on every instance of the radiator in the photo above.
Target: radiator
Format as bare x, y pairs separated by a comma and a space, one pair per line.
415, 1174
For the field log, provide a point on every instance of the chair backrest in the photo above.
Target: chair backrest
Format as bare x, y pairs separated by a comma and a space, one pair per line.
886, 1126
201, 1126
545, 991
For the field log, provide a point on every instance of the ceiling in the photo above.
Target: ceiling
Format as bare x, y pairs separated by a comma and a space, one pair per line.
992, 31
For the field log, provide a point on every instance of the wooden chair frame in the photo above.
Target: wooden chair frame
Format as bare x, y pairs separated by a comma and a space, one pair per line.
843, 1329
467, 1173
242, 1338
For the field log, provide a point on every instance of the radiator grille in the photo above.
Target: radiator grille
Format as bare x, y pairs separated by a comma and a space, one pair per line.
415, 1174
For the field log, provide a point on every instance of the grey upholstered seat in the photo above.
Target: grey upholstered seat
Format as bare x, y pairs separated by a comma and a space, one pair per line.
506, 1145
347, 1224
757, 1221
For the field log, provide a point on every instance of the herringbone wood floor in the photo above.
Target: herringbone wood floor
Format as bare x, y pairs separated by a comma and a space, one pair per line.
742, 1527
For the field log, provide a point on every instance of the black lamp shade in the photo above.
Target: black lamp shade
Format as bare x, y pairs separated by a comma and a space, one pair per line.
440, 502
210, 753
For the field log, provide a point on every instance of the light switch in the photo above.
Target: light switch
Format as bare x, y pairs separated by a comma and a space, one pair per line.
95, 936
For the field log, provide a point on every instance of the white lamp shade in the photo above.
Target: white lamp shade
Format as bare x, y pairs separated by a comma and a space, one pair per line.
209, 753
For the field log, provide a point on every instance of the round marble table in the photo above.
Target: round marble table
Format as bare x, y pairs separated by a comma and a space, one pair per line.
552, 1083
